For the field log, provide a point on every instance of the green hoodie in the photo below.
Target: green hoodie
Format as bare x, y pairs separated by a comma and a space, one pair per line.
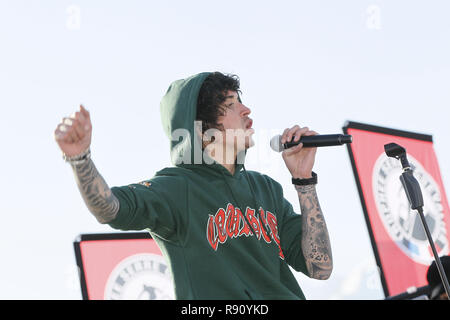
224, 236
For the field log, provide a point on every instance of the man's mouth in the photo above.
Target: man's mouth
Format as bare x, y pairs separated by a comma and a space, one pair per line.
249, 124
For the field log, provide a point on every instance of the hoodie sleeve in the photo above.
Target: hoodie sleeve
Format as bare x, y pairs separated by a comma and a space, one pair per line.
147, 205
291, 237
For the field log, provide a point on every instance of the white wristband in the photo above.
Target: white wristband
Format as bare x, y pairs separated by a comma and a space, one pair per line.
78, 159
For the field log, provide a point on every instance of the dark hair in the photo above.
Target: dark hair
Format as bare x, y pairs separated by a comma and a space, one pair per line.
211, 97
434, 278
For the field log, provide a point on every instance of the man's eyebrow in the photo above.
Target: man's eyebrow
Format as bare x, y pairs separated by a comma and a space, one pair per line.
232, 96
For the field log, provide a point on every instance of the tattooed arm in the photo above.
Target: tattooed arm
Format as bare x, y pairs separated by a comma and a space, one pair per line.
73, 136
316, 245
98, 197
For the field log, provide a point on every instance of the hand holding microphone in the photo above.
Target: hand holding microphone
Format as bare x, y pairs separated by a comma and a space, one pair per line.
298, 160
325, 140
299, 146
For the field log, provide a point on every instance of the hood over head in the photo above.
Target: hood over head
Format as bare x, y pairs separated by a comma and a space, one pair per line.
178, 114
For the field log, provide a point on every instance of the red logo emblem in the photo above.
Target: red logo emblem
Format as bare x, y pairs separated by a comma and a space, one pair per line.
230, 223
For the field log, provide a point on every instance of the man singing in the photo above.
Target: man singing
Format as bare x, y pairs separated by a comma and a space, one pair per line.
225, 232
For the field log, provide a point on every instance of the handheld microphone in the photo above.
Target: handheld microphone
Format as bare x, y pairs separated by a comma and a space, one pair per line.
324, 140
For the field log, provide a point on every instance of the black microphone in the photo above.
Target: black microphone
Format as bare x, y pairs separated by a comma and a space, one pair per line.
323, 140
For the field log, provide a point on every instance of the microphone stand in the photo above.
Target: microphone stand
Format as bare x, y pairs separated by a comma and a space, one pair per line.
414, 194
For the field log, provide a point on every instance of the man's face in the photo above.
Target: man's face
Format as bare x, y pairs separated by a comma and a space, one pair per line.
236, 123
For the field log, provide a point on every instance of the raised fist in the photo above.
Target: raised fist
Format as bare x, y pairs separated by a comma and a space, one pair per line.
73, 134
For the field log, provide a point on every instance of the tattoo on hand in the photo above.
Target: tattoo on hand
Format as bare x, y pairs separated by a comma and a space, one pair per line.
316, 245
95, 192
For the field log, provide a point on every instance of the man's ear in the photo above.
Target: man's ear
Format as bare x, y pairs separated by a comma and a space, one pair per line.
213, 142
209, 136
198, 132
203, 138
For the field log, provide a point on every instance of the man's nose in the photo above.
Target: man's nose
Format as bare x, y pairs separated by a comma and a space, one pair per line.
245, 110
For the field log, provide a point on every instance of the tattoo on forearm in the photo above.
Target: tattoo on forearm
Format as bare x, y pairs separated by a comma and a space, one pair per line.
316, 245
96, 194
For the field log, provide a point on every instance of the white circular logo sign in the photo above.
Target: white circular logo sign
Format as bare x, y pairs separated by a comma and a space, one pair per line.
402, 223
142, 276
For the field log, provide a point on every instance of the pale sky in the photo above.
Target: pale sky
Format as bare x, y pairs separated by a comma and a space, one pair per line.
312, 63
